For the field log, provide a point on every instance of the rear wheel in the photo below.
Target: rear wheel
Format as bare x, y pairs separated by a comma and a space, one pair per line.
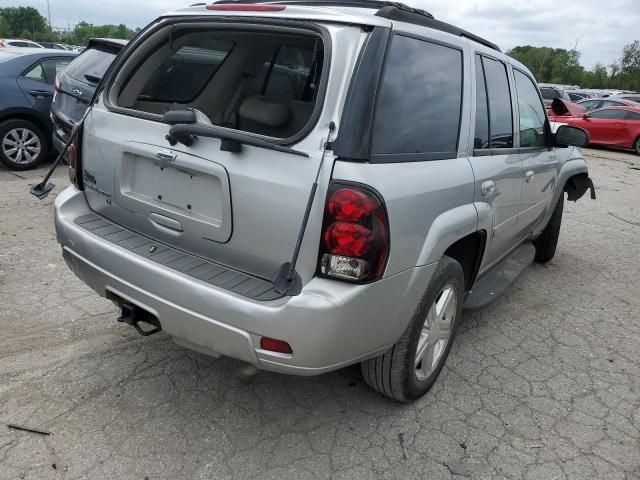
636, 146
409, 369
22, 144
547, 242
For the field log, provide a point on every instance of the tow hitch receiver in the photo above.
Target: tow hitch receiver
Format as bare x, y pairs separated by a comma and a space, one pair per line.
133, 315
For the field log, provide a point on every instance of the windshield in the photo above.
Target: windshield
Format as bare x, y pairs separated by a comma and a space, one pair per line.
93, 61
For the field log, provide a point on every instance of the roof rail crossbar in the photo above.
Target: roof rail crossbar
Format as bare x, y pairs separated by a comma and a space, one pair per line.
402, 15
372, 4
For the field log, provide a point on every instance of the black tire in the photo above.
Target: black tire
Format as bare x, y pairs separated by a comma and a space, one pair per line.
636, 146
19, 124
547, 242
394, 373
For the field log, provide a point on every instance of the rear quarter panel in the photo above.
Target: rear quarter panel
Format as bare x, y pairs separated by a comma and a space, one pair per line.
430, 205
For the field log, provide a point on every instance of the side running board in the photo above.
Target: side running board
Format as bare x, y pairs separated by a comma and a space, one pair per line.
495, 282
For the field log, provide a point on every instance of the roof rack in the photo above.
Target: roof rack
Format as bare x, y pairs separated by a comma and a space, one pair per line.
401, 15
385, 9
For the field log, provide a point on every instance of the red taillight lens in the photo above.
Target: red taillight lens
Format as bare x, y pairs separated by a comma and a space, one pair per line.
275, 345
349, 239
73, 156
57, 85
351, 205
355, 236
232, 7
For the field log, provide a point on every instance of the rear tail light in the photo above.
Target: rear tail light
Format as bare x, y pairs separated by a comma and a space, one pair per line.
57, 84
355, 234
275, 345
73, 156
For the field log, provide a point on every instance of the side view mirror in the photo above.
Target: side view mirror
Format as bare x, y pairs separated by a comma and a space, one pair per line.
585, 116
567, 136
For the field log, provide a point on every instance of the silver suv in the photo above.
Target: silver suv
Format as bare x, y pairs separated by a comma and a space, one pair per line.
312, 184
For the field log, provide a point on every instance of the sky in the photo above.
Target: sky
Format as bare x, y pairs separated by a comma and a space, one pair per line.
600, 28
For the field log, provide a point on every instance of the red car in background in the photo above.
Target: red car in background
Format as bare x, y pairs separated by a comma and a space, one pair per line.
611, 126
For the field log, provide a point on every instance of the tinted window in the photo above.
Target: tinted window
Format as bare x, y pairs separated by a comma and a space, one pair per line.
548, 93
481, 137
609, 113
36, 73
611, 103
590, 104
183, 76
501, 117
418, 109
530, 111
93, 61
633, 116
47, 70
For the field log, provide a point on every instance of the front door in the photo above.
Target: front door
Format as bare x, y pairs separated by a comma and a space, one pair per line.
539, 163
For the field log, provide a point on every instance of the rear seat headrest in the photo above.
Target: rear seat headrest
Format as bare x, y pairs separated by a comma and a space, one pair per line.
269, 112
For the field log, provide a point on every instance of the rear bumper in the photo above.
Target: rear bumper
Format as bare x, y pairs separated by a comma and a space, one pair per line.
329, 325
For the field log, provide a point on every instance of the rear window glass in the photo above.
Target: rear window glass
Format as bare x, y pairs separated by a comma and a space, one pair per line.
93, 61
549, 93
183, 76
418, 110
258, 81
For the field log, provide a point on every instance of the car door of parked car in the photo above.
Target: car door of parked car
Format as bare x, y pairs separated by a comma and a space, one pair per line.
36, 82
496, 164
631, 130
605, 126
539, 163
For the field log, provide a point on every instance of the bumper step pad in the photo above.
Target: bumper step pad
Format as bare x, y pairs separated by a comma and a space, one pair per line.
191, 265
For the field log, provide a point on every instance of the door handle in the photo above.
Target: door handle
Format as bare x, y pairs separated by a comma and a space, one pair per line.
166, 156
529, 176
40, 93
488, 188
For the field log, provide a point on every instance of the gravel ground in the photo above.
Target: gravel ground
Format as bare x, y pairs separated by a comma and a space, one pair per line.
543, 384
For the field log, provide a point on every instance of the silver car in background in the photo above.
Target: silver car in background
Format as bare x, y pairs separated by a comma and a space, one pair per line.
311, 184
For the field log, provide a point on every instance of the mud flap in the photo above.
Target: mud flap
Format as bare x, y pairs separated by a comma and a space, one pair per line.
578, 185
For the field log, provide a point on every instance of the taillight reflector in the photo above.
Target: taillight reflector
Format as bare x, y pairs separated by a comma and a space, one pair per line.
232, 7
275, 345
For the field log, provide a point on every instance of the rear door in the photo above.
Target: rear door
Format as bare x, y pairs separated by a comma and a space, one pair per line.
631, 129
540, 164
496, 164
606, 126
37, 81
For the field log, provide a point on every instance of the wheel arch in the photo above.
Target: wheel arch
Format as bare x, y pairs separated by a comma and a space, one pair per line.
455, 233
468, 252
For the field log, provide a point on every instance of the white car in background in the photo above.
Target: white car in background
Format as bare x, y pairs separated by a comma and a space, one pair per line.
18, 42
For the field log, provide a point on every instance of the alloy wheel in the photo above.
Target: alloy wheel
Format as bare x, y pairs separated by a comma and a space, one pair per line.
436, 332
21, 146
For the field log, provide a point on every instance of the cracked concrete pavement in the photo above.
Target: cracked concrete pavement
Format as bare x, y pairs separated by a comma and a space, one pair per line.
543, 384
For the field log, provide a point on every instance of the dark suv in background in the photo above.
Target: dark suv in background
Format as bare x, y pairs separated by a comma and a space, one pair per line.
75, 86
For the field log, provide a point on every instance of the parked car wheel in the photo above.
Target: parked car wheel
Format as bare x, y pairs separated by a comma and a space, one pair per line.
22, 144
547, 242
636, 146
408, 370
